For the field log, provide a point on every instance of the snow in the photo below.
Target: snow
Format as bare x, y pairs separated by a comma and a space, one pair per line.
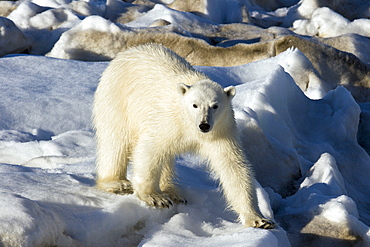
301, 137
327, 23
179, 18
11, 38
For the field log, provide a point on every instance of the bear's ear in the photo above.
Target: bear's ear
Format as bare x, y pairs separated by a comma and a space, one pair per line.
230, 91
182, 88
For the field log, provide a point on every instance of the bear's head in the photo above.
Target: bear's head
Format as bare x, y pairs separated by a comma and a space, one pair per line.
206, 102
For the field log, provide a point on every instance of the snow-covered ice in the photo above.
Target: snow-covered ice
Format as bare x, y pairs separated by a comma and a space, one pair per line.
47, 156
327, 23
301, 137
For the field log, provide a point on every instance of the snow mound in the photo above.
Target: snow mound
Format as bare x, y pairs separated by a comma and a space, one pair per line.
327, 23
12, 40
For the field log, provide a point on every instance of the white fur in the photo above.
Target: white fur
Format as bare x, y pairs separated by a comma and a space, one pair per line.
148, 109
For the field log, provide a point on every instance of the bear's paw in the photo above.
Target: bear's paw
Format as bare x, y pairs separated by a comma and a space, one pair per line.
263, 224
176, 197
159, 200
117, 187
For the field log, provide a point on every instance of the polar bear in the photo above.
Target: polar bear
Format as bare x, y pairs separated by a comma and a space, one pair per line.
150, 106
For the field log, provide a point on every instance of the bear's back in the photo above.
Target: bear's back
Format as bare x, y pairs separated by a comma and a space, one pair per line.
156, 64
140, 85
148, 74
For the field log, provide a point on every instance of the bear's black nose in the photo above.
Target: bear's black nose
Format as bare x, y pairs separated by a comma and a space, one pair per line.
204, 127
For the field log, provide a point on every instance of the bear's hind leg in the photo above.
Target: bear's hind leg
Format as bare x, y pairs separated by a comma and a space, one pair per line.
167, 184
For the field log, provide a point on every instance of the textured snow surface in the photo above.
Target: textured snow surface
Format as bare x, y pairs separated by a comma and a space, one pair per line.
300, 132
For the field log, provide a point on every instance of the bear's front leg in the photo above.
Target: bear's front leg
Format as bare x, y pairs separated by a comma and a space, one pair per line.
167, 184
147, 164
237, 180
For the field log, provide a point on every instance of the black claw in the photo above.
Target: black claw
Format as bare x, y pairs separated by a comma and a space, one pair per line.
266, 224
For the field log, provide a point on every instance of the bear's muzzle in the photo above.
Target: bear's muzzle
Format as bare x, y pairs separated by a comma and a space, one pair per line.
204, 127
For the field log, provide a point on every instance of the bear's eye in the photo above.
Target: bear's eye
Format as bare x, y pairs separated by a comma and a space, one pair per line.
195, 106
215, 107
